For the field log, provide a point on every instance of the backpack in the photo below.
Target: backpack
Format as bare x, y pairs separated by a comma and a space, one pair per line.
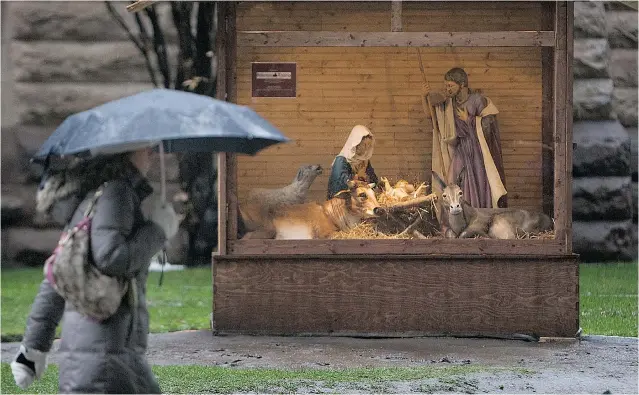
72, 274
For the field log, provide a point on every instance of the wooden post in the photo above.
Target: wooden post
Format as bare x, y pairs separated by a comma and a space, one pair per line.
221, 80
570, 14
227, 162
221, 49
548, 114
231, 88
396, 16
561, 199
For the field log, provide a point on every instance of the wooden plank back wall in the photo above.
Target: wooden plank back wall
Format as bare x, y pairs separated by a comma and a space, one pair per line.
375, 16
379, 87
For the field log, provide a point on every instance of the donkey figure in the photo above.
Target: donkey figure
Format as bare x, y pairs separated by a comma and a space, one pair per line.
460, 220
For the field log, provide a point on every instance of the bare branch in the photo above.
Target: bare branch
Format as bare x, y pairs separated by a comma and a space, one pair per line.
159, 45
146, 42
140, 44
118, 18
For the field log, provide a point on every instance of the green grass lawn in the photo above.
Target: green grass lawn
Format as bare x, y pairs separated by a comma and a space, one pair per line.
206, 379
608, 299
182, 302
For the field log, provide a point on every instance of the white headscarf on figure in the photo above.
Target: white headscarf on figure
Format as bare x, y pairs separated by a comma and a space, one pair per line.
359, 163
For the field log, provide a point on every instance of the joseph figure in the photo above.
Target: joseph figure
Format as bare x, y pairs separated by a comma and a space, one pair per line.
466, 135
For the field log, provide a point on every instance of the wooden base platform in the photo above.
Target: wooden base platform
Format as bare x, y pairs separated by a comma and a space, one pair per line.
396, 295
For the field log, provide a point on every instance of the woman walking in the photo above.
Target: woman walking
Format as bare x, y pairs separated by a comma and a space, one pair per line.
129, 227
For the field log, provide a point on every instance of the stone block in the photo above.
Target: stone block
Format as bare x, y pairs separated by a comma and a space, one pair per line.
592, 99
49, 104
11, 169
624, 104
31, 137
28, 140
590, 19
65, 20
623, 67
18, 204
12, 210
632, 133
590, 58
30, 246
601, 148
118, 61
622, 28
601, 198
597, 241
79, 21
19, 144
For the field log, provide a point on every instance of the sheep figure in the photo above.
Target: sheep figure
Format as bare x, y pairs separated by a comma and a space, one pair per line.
262, 203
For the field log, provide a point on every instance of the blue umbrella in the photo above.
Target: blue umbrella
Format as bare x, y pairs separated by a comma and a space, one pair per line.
182, 121
173, 120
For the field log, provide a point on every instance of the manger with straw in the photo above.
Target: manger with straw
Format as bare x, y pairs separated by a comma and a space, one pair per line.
403, 214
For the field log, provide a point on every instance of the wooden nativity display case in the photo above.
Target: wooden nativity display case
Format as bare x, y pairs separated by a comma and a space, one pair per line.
356, 63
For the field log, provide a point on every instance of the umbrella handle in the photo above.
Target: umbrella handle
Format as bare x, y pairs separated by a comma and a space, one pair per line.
162, 172
163, 191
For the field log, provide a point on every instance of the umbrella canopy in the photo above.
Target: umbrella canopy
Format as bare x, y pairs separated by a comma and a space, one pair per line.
181, 121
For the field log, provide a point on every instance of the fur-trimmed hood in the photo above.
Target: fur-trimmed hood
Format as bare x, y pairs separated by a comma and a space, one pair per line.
61, 191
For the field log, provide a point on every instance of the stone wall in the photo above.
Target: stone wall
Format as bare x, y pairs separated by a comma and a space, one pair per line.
605, 131
58, 58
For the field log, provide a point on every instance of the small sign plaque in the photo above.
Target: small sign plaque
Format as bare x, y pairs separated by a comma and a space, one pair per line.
273, 79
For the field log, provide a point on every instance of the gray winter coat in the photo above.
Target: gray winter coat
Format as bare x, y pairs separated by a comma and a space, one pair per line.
105, 357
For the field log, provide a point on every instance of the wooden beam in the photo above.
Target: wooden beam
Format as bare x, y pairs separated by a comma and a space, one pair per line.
548, 112
396, 39
231, 87
568, 172
561, 199
397, 246
396, 16
221, 94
